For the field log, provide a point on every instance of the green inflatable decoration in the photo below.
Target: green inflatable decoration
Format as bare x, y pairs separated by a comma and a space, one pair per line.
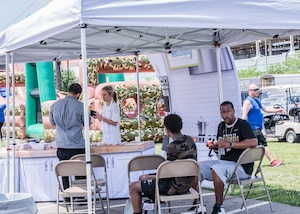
116, 77
101, 78
38, 76
46, 82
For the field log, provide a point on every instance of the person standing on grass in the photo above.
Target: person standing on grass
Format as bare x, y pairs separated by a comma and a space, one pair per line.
251, 111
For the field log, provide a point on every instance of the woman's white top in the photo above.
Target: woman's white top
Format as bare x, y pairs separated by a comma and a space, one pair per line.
110, 133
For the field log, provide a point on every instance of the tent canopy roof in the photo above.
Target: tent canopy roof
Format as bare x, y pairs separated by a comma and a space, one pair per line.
124, 27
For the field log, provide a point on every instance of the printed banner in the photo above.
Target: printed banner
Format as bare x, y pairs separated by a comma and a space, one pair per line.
183, 59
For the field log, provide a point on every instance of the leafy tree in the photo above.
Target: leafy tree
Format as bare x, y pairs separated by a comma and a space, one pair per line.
67, 78
277, 68
290, 66
249, 72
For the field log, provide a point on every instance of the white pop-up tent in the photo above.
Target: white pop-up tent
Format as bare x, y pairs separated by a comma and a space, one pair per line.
73, 29
115, 27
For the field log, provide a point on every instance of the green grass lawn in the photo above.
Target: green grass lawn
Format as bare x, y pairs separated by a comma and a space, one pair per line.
283, 181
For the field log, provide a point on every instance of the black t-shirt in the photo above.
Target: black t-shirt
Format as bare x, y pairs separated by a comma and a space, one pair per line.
240, 131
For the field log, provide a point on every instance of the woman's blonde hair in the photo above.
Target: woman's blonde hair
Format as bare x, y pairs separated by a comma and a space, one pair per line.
109, 89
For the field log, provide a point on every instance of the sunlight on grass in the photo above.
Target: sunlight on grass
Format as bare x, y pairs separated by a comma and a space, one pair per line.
283, 181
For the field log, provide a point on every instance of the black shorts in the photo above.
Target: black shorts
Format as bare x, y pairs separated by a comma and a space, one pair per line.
261, 140
66, 154
148, 187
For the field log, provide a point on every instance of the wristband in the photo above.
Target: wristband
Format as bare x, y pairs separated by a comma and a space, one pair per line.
230, 145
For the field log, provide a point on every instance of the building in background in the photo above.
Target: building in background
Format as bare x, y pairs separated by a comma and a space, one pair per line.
275, 46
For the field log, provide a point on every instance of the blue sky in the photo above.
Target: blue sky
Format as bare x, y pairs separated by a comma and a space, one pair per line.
13, 11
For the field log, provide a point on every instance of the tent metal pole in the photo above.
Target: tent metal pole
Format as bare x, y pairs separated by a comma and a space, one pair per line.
138, 95
7, 123
86, 116
266, 56
219, 71
13, 121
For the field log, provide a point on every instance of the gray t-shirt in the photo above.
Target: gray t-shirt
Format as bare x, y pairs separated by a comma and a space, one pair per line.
68, 116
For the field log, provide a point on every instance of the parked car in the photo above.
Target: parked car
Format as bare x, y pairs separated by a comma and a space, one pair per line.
280, 126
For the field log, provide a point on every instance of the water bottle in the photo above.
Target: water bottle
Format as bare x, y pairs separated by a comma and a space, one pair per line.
221, 151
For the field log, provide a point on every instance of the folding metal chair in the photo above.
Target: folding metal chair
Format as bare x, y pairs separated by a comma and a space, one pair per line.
98, 163
250, 155
144, 163
72, 168
178, 168
141, 165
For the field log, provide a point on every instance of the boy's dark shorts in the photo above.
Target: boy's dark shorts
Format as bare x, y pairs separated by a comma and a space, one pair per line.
148, 188
261, 140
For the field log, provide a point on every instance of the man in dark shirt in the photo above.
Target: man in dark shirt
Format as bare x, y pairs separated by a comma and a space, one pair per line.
182, 147
235, 136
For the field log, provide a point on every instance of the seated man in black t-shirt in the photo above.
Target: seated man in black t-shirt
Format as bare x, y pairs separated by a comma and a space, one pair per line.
236, 136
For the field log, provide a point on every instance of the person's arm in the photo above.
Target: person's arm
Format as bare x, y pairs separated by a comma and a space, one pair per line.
245, 109
247, 138
2, 107
171, 152
115, 110
244, 144
147, 177
99, 117
272, 110
52, 122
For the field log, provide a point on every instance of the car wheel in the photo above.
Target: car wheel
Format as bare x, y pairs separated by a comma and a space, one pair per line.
291, 136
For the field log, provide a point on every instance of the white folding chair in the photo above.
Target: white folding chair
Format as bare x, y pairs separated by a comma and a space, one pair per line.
72, 168
173, 169
144, 163
98, 163
250, 155
139, 165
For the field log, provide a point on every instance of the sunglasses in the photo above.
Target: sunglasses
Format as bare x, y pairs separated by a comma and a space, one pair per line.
256, 89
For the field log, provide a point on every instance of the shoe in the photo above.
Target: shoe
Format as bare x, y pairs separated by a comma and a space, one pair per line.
80, 199
192, 210
275, 163
218, 209
67, 200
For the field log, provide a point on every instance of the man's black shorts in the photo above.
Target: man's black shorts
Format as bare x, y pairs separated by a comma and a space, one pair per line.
261, 140
148, 187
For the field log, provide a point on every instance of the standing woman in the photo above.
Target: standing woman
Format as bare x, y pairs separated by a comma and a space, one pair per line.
110, 118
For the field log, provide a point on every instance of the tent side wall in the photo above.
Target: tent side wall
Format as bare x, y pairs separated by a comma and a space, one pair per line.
194, 90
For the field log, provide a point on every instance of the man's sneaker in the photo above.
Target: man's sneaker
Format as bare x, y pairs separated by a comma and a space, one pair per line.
218, 209
192, 210
275, 163
67, 200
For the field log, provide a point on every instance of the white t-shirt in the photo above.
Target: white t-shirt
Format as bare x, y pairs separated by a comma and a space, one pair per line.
110, 133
